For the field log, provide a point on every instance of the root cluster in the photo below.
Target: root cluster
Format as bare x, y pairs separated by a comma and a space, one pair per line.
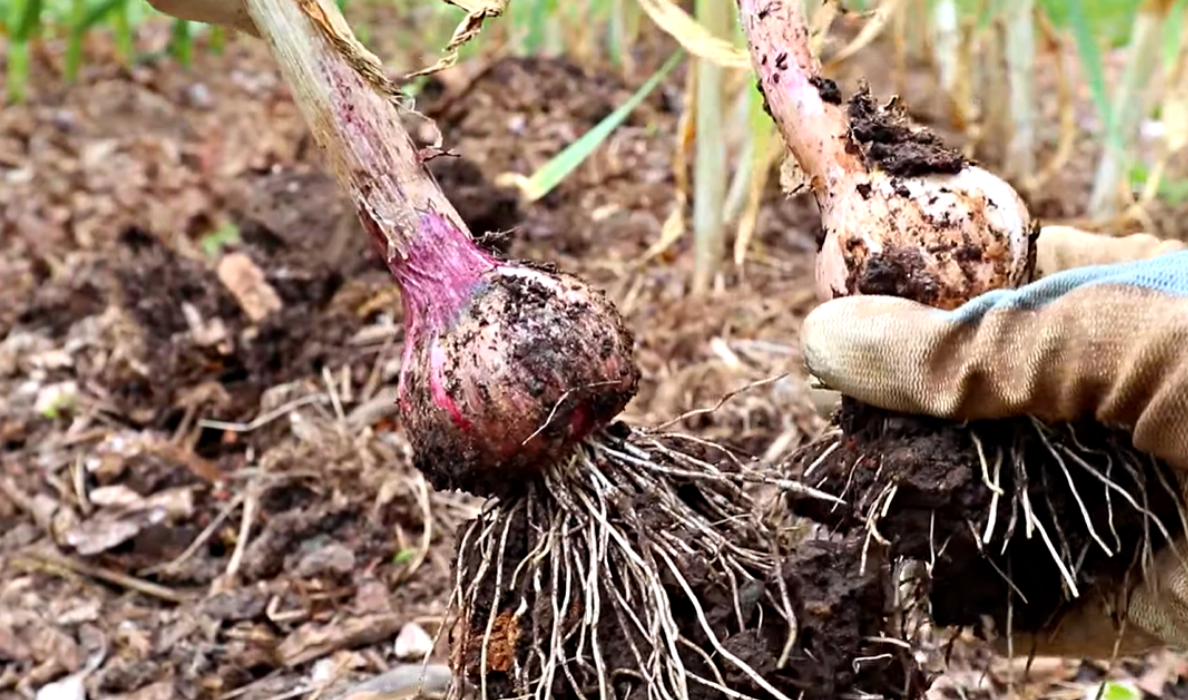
1012, 520
643, 566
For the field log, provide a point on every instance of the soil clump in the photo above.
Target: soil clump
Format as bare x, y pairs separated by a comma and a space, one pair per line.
928, 488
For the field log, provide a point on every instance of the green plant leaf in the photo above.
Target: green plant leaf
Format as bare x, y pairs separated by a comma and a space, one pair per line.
18, 70
556, 170
97, 13
1115, 691
1091, 60
181, 43
213, 243
29, 21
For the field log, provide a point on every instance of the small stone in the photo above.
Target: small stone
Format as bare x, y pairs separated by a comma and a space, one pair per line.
413, 642
198, 95
69, 688
334, 558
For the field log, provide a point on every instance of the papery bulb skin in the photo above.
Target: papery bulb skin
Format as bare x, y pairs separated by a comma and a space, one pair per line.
939, 239
908, 216
506, 366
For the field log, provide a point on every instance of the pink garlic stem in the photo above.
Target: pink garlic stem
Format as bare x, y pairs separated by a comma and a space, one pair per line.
815, 131
368, 150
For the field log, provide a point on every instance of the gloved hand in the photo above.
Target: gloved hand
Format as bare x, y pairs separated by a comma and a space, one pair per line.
1103, 333
232, 14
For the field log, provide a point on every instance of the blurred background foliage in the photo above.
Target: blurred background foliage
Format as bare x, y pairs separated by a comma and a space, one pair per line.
982, 55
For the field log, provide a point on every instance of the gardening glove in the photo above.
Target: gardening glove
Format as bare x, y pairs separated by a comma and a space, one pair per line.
232, 14
1103, 333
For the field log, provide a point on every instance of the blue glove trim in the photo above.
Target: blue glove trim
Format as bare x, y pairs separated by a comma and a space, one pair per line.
1166, 273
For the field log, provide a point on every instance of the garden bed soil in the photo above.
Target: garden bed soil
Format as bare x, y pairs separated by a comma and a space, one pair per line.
205, 490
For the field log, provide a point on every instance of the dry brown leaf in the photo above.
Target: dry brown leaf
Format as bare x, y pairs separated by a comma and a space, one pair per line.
312, 641
129, 515
246, 282
100, 534
12, 647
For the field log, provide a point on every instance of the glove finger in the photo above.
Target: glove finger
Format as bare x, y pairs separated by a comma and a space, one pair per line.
1060, 248
1160, 604
1108, 342
1090, 628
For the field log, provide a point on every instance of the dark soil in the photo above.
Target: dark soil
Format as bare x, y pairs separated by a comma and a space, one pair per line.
490, 212
154, 284
940, 493
890, 142
838, 608
111, 286
896, 271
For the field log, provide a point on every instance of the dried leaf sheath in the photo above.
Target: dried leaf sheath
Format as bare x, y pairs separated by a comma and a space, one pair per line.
350, 108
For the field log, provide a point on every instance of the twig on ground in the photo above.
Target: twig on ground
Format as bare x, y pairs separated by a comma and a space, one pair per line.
175, 564
422, 493
113, 577
265, 418
250, 502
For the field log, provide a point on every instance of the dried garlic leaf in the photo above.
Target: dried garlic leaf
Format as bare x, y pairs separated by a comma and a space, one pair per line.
1175, 105
336, 30
329, 20
477, 12
694, 37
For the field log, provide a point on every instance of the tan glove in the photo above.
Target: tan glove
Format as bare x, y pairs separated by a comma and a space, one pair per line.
1103, 333
232, 14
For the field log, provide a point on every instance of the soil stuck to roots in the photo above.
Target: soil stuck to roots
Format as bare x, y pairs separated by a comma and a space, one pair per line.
1096, 508
643, 562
